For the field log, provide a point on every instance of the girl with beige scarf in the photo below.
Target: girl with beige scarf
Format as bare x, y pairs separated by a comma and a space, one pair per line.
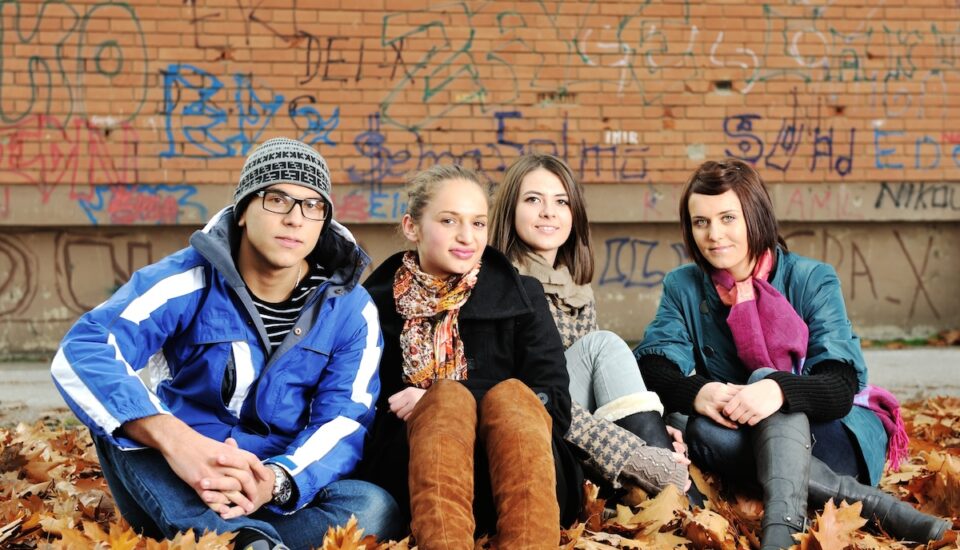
539, 222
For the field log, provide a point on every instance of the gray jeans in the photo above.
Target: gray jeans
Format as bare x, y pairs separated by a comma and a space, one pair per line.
602, 369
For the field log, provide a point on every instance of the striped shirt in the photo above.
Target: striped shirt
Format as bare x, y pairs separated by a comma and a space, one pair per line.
279, 318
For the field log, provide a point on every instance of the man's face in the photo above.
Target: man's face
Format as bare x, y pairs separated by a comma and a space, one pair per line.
279, 241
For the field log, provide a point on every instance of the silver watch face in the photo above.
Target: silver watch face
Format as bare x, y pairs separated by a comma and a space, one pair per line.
281, 485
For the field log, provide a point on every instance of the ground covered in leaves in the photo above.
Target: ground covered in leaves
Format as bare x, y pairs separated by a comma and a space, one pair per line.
53, 495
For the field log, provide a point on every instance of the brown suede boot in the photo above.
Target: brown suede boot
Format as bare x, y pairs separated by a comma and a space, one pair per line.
515, 430
441, 431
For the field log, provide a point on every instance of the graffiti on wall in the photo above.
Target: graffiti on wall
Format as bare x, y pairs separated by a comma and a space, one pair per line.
47, 152
73, 47
78, 110
862, 264
590, 160
129, 204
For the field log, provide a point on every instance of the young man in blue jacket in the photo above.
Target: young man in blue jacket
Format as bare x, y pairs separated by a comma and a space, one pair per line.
260, 352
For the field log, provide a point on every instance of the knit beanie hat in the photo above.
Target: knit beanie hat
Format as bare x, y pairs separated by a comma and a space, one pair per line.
283, 160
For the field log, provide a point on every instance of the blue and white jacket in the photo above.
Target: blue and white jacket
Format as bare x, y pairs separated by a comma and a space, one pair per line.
190, 321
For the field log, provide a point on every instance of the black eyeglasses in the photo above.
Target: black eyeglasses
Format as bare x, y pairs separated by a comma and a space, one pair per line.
279, 202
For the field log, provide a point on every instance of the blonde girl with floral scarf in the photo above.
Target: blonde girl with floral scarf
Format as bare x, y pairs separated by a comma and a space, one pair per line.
474, 395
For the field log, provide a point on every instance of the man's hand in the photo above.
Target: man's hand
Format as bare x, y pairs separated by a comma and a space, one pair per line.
202, 463
403, 402
711, 400
233, 503
754, 402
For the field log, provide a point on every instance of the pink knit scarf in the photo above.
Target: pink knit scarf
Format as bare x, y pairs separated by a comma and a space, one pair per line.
766, 329
768, 332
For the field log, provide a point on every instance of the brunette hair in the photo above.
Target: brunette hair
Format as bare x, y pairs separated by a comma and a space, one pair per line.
422, 185
576, 253
716, 178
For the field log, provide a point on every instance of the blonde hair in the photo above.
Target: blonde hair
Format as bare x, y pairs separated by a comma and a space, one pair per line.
422, 185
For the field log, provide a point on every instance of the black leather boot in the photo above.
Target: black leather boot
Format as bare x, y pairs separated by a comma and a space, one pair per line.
648, 426
781, 445
896, 517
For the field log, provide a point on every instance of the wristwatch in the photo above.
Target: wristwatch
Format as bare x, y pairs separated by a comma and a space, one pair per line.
282, 488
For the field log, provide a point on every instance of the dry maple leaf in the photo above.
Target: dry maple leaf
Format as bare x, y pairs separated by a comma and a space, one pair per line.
11, 459
708, 529
592, 507
347, 537
662, 512
662, 541
943, 490
74, 539
588, 542
704, 484
403, 544
569, 537
625, 517
835, 528
120, 537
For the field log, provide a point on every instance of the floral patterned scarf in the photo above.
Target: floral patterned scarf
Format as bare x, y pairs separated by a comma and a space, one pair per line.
431, 350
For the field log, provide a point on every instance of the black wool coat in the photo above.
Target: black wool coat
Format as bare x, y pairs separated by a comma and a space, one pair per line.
507, 332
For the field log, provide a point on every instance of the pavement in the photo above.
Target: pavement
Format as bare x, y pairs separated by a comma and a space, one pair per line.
27, 393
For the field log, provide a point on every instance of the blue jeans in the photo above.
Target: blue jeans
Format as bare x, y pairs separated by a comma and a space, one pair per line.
719, 449
157, 503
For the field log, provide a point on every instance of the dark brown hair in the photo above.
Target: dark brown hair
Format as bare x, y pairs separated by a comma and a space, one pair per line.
576, 253
716, 178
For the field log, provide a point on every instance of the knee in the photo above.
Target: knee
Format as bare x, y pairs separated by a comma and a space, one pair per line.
599, 340
447, 390
445, 399
709, 442
509, 393
511, 401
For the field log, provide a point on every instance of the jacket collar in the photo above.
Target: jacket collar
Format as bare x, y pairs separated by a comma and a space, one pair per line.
336, 250
499, 293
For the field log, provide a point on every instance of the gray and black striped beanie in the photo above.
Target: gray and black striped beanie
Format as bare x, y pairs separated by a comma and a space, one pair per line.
283, 160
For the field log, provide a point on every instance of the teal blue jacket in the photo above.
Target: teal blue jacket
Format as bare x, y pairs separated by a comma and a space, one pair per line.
690, 330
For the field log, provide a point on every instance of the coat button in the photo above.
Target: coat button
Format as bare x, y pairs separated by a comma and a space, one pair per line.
708, 351
298, 331
704, 308
543, 398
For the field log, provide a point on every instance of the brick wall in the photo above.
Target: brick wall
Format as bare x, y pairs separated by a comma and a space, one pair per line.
140, 113
176, 92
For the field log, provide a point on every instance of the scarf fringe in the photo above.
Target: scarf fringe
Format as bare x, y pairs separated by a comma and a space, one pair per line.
898, 448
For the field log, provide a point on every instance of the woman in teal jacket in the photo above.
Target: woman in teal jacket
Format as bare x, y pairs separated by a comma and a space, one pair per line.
754, 343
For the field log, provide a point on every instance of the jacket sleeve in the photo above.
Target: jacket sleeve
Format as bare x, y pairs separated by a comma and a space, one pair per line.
668, 335
341, 412
824, 394
831, 334
676, 391
95, 367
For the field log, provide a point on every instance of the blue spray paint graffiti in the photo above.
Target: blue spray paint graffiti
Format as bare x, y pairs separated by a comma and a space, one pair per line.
197, 126
628, 262
927, 151
132, 204
620, 163
779, 153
